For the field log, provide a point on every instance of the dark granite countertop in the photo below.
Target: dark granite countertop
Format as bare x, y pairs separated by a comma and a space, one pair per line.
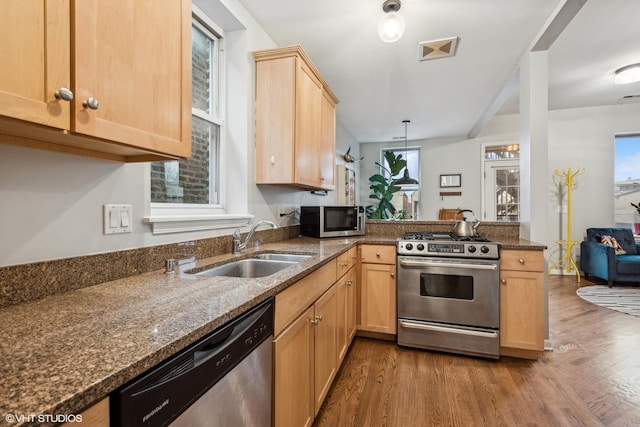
62, 353
65, 352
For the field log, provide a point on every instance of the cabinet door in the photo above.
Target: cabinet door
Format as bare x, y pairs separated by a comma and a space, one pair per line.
134, 58
307, 129
275, 118
327, 154
293, 379
35, 61
378, 298
345, 288
326, 342
521, 310
352, 304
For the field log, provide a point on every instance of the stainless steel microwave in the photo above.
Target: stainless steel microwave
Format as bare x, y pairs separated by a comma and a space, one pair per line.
332, 221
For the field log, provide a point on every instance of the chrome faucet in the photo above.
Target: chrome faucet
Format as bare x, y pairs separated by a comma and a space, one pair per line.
237, 246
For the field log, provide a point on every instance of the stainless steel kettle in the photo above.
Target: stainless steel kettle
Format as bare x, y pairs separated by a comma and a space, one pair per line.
462, 228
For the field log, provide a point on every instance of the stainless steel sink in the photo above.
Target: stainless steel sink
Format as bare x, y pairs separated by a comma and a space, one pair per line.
283, 257
260, 265
248, 268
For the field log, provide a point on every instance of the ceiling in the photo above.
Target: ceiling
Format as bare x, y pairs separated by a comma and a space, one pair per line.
380, 84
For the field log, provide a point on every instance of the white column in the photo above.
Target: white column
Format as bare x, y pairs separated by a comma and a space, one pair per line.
534, 176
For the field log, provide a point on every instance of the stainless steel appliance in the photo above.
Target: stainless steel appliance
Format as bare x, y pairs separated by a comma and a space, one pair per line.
225, 379
332, 221
448, 293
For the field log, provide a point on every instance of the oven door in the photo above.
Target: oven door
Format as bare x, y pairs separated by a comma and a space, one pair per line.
455, 291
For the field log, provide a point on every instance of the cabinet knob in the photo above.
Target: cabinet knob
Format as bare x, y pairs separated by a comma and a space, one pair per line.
503, 281
314, 321
353, 257
521, 261
91, 103
64, 94
349, 282
344, 264
393, 274
378, 254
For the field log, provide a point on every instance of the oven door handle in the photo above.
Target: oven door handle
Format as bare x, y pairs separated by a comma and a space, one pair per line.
406, 263
427, 327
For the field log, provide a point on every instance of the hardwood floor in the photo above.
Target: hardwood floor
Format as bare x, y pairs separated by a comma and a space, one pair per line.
591, 378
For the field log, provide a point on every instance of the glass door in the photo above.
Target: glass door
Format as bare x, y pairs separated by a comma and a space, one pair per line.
502, 191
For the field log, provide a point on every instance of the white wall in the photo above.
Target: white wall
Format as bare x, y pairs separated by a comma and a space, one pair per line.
51, 203
581, 137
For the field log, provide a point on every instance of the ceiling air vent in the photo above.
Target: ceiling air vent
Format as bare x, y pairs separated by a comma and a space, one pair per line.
435, 49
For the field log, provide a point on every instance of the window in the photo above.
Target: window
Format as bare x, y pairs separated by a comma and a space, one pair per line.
502, 182
195, 181
627, 181
406, 202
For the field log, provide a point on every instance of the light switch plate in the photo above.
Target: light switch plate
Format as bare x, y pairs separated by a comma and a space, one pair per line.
117, 219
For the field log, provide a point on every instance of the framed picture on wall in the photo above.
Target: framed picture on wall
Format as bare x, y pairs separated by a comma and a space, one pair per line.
453, 180
346, 185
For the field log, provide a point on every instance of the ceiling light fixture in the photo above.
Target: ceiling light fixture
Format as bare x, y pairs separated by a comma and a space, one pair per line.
406, 182
391, 24
628, 74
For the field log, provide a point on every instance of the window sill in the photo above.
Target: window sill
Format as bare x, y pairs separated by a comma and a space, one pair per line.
166, 224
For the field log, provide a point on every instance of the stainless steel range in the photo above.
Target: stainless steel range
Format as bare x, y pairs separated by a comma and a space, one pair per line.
448, 293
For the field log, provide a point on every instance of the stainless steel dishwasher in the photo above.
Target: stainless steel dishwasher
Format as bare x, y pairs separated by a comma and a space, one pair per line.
225, 380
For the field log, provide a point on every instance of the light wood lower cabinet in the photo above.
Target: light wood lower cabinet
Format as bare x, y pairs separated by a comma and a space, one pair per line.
521, 303
325, 347
377, 289
346, 290
294, 373
305, 347
94, 416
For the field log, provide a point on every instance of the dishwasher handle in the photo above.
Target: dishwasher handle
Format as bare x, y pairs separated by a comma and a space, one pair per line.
218, 344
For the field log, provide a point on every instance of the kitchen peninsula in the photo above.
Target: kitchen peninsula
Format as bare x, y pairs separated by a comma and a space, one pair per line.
68, 351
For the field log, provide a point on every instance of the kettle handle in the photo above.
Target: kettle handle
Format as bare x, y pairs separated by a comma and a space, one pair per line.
461, 211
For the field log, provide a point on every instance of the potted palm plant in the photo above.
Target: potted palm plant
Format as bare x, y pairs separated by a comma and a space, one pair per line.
383, 188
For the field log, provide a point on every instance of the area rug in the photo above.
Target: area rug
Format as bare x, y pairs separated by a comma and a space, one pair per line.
623, 299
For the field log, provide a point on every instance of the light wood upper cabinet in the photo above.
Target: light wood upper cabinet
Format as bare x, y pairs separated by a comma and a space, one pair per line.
127, 64
295, 121
34, 45
327, 142
521, 301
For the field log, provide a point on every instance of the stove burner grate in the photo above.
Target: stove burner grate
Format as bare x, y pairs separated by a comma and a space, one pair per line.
423, 235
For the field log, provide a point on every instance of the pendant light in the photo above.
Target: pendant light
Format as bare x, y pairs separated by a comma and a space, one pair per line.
406, 182
391, 24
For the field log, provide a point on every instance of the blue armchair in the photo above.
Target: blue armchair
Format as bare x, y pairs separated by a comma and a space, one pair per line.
601, 260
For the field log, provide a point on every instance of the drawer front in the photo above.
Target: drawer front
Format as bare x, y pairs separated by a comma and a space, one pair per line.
294, 300
347, 260
378, 254
521, 260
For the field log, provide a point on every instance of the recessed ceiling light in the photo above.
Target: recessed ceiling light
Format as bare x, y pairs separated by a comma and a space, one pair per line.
628, 74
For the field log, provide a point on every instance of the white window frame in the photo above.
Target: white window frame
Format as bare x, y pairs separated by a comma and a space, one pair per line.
484, 162
183, 217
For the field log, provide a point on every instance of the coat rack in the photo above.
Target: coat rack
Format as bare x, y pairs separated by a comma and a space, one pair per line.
569, 182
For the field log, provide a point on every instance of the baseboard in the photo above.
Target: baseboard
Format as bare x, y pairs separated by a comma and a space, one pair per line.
557, 272
547, 345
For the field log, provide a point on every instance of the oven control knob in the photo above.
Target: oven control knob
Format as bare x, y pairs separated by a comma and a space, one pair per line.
484, 249
471, 249
409, 246
420, 247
